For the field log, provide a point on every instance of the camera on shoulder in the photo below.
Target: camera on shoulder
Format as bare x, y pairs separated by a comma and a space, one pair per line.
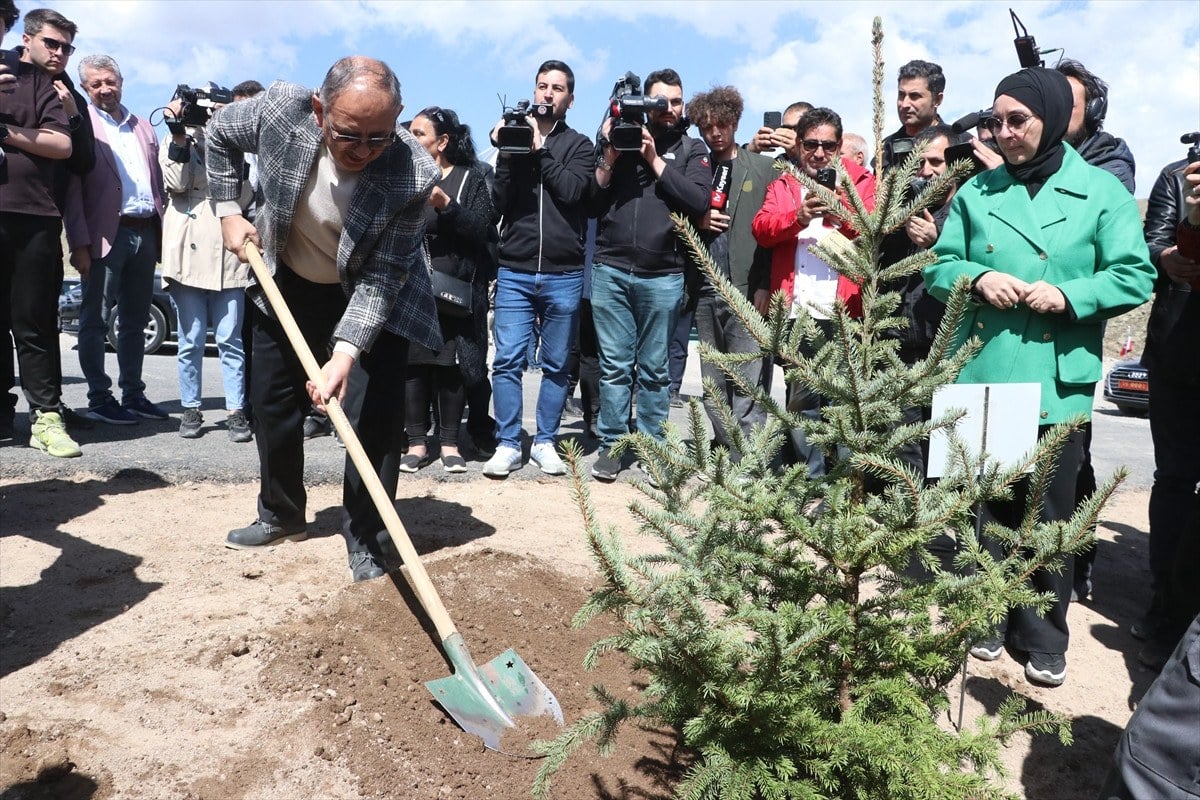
197, 105
628, 107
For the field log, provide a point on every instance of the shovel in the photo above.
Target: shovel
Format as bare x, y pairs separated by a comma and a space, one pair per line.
482, 699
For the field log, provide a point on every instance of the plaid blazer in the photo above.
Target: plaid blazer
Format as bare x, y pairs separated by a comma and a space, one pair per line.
381, 259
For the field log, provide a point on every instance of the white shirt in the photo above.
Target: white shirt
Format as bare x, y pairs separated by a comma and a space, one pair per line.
137, 195
814, 286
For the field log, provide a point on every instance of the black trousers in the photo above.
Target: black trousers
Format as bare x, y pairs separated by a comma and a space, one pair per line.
1026, 629
374, 405
31, 275
583, 363
442, 386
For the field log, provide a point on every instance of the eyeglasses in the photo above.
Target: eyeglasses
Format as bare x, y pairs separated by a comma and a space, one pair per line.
1016, 123
55, 44
370, 142
811, 145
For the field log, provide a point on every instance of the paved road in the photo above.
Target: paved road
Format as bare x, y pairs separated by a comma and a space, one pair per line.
155, 446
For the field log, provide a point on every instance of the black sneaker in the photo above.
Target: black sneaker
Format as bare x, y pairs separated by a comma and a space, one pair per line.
189, 427
316, 425
6, 426
1047, 669
606, 467
74, 421
112, 414
365, 567
677, 400
572, 408
142, 407
988, 649
262, 534
239, 428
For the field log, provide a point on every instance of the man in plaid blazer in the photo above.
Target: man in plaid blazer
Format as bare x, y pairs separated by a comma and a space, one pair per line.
341, 230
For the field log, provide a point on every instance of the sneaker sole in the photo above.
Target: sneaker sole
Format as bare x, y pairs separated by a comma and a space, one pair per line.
986, 654
147, 416
37, 445
190, 434
560, 469
109, 421
1045, 676
294, 537
493, 473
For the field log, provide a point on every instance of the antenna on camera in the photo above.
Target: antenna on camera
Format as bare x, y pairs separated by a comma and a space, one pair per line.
1027, 49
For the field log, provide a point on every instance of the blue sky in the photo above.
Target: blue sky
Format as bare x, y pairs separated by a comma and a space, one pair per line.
462, 54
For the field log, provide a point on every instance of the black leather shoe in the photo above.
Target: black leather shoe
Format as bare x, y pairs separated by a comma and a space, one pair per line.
261, 534
364, 567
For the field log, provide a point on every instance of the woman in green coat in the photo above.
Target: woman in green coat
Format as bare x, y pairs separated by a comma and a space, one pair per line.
1053, 247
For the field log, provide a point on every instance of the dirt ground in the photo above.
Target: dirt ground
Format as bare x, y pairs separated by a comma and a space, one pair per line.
141, 659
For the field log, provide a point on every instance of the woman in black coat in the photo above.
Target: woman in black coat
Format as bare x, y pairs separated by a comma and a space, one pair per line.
458, 228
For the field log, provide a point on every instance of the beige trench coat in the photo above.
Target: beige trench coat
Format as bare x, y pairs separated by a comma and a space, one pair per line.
192, 251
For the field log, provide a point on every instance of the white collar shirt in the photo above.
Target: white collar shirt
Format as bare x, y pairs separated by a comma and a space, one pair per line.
137, 195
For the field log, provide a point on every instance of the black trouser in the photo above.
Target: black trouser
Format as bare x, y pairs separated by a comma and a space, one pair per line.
443, 385
1026, 629
374, 405
31, 275
677, 349
583, 363
1174, 506
718, 326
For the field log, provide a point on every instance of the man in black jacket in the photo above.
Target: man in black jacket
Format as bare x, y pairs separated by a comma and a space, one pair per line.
1172, 356
638, 266
920, 88
540, 196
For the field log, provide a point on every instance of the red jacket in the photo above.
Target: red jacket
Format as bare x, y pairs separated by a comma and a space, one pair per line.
775, 226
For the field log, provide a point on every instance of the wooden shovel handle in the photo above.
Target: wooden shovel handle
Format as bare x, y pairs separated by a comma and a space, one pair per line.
430, 600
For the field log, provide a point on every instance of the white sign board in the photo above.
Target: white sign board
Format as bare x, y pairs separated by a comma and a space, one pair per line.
1002, 420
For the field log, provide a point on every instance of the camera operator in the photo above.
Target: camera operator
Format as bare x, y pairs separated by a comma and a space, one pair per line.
540, 198
1172, 358
34, 138
1084, 131
638, 266
920, 90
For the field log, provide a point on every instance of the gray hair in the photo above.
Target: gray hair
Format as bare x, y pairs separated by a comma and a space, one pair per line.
346, 71
98, 62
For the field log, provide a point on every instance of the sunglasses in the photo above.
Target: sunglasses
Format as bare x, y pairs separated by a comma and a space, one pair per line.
371, 142
54, 44
811, 145
1016, 122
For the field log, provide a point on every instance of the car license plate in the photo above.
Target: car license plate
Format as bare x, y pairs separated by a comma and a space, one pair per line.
1133, 386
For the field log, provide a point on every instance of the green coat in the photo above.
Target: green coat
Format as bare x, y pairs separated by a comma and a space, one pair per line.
1083, 234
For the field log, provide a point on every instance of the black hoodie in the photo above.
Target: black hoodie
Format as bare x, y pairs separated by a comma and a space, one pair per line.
540, 200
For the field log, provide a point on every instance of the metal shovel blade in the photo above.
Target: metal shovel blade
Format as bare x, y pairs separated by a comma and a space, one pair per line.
484, 699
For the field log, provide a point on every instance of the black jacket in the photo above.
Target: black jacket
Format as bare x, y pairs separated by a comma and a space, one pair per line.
1173, 331
635, 231
540, 203
922, 310
1111, 155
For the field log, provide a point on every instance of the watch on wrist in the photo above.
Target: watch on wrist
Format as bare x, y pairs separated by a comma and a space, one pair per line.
602, 164
3, 132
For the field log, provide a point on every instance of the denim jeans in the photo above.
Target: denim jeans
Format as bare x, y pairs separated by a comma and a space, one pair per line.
124, 278
196, 310
520, 298
635, 319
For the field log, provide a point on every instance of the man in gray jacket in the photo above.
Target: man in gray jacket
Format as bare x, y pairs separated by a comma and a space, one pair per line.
341, 230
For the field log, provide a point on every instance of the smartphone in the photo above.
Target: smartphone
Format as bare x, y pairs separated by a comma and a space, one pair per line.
827, 177
773, 119
958, 152
10, 59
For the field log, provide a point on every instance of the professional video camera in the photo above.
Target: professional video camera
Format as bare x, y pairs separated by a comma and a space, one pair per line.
1194, 151
628, 107
516, 135
197, 105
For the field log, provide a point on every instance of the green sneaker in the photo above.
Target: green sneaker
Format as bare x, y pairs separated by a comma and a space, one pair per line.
50, 436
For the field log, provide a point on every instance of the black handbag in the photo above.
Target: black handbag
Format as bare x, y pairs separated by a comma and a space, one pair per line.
453, 295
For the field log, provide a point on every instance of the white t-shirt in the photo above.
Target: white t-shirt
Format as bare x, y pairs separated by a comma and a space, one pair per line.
814, 283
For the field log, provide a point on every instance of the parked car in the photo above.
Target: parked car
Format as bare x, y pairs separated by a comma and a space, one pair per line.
160, 327
1127, 386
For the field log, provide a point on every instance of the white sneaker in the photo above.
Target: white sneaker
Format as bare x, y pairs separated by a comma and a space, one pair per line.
503, 462
544, 455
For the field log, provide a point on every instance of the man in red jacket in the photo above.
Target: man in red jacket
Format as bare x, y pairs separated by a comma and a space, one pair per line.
791, 220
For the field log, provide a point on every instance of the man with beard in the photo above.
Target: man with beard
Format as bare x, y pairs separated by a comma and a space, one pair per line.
638, 266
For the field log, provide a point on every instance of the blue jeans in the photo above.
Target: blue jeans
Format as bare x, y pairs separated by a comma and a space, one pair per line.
635, 319
124, 278
196, 310
520, 298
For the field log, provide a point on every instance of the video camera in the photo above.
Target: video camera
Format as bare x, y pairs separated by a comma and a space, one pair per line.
197, 105
516, 135
1193, 139
628, 107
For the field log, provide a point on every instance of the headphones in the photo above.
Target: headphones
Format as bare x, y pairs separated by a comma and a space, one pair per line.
1094, 111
